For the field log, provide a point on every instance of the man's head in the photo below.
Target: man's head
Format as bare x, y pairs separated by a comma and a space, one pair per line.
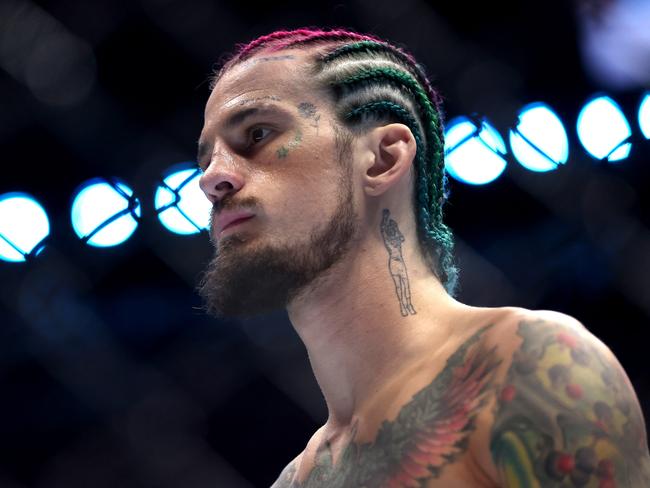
280, 125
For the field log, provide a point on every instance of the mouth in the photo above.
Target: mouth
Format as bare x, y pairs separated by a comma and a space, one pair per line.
234, 224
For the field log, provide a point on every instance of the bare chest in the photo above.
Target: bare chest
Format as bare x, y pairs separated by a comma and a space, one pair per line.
372, 470
423, 444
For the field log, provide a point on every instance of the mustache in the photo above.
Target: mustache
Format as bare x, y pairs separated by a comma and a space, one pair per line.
228, 203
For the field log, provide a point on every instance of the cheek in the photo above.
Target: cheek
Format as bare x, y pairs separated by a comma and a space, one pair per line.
300, 191
296, 209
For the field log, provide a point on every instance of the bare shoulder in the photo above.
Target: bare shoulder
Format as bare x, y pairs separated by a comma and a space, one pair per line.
507, 320
564, 412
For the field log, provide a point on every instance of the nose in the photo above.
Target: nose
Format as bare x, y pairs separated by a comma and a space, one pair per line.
220, 180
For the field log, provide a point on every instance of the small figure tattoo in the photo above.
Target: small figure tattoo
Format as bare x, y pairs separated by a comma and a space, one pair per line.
393, 239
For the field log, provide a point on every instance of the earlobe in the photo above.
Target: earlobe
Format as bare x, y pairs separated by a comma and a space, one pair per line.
393, 148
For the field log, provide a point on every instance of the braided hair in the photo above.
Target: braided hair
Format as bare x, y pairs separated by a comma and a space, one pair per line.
372, 81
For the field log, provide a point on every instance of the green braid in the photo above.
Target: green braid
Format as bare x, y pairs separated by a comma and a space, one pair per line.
429, 116
384, 106
415, 103
435, 231
371, 47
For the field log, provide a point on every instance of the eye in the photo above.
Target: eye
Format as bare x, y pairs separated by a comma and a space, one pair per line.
258, 133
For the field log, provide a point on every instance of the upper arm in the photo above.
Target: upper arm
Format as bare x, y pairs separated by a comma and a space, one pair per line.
566, 414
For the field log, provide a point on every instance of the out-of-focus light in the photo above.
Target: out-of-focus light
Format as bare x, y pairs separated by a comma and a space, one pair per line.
38, 50
603, 130
24, 226
104, 212
181, 205
474, 151
644, 116
539, 141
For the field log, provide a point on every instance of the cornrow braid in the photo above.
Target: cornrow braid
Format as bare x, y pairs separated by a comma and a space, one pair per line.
430, 177
404, 116
276, 41
372, 46
390, 75
377, 46
401, 77
372, 81
297, 37
431, 227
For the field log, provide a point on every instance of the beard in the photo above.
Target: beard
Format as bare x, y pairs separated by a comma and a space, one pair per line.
243, 280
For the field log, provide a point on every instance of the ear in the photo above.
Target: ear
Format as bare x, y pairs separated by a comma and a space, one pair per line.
393, 148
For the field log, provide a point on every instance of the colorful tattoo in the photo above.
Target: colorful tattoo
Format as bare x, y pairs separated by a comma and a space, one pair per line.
430, 432
566, 416
283, 151
393, 239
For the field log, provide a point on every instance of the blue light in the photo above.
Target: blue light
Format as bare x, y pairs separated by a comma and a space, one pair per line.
104, 212
603, 130
181, 205
24, 226
539, 141
473, 151
644, 116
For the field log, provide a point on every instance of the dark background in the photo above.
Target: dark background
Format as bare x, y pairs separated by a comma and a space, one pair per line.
113, 377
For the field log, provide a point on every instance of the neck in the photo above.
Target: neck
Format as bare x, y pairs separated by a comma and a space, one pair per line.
354, 329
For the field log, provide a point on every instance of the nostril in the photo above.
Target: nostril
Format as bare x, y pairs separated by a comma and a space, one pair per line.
224, 186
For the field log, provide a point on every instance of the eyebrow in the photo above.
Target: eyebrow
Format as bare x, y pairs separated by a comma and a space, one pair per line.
235, 119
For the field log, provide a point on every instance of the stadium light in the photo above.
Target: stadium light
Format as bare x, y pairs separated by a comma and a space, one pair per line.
539, 141
474, 151
603, 130
24, 227
644, 116
104, 212
180, 204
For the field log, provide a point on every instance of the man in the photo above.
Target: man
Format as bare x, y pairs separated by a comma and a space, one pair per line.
322, 154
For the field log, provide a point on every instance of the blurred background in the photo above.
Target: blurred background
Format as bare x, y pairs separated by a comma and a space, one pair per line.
110, 373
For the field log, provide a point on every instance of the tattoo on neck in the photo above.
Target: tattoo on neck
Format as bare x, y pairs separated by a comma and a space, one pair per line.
393, 239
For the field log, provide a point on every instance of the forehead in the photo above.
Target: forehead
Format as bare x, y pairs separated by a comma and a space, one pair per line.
280, 75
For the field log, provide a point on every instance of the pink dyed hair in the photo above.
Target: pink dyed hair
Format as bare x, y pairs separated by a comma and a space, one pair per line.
431, 190
279, 40
284, 39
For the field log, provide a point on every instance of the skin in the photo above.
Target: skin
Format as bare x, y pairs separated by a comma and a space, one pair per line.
566, 415
415, 399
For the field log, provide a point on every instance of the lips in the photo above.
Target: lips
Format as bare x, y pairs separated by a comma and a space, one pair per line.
232, 224
230, 219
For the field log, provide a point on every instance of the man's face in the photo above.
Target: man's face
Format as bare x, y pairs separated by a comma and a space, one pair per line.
269, 154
